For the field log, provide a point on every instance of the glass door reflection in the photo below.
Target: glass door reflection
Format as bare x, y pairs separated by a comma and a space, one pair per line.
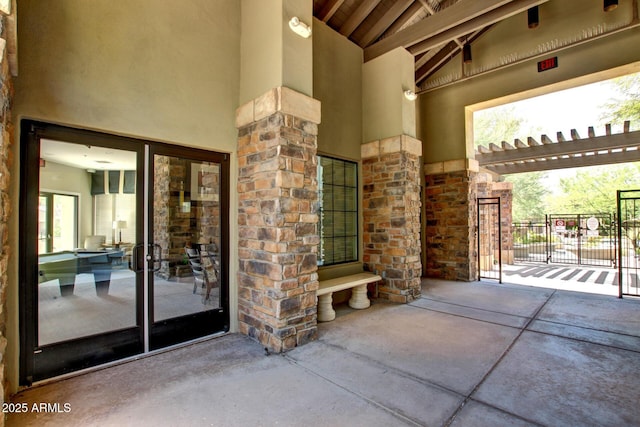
186, 226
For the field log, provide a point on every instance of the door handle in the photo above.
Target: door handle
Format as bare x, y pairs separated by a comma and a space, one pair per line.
137, 265
154, 257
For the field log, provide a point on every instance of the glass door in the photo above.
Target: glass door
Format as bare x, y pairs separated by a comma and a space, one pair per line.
123, 248
80, 302
188, 284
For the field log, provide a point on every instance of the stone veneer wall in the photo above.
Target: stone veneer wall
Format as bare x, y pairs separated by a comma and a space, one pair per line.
391, 212
450, 212
278, 219
504, 190
6, 141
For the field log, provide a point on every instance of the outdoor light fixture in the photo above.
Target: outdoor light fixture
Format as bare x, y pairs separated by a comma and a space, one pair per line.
466, 53
609, 5
299, 27
533, 17
410, 95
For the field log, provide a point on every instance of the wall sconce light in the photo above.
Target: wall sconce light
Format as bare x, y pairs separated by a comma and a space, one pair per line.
299, 27
609, 5
466, 53
533, 17
410, 95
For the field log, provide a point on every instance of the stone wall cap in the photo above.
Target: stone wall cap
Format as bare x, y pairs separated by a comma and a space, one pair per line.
458, 165
280, 99
394, 144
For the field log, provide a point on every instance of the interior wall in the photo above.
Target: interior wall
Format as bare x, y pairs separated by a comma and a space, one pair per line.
56, 177
145, 69
443, 114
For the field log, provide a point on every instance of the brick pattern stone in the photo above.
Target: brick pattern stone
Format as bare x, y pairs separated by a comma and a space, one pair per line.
174, 228
6, 142
503, 190
391, 212
278, 231
450, 209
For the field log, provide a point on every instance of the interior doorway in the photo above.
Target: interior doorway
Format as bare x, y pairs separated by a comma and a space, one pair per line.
107, 224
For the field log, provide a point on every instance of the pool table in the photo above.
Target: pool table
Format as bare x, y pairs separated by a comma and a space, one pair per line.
64, 266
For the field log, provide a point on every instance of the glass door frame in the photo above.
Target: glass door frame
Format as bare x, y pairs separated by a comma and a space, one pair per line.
175, 330
42, 362
39, 362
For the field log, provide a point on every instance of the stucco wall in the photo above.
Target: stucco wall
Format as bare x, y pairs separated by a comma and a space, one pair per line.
146, 69
337, 84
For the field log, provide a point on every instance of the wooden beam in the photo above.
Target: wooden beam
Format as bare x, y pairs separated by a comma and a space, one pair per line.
394, 12
620, 141
406, 16
437, 61
546, 140
564, 163
457, 20
358, 16
507, 146
329, 9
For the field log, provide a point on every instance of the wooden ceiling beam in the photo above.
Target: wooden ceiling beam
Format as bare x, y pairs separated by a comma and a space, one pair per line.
436, 61
455, 21
329, 10
358, 17
408, 15
385, 22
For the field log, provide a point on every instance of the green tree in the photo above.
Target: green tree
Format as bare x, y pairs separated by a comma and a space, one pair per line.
626, 105
529, 194
593, 189
496, 125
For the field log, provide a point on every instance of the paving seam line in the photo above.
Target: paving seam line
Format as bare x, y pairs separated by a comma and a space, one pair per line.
495, 365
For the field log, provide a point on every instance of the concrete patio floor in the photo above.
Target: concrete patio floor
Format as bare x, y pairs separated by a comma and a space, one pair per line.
465, 354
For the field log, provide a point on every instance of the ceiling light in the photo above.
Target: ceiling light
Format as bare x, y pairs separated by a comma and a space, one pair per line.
410, 95
609, 5
299, 27
533, 17
466, 53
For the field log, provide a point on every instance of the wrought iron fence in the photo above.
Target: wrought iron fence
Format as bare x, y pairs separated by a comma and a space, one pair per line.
583, 239
629, 242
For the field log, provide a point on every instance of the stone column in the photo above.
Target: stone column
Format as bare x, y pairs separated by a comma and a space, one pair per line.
450, 212
278, 219
504, 190
391, 211
6, 142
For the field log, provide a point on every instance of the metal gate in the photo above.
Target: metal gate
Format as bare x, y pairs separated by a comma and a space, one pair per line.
583, 239
629, 242
489, 239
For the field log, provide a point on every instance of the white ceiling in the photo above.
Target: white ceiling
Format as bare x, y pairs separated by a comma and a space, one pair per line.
86, 156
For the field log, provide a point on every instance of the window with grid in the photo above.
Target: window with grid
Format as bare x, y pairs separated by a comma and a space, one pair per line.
338, 210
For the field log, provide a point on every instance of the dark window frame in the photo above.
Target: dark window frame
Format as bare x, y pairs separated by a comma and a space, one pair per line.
338, 198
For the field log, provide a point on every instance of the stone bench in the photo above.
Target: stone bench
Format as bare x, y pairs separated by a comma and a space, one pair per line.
357, 282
